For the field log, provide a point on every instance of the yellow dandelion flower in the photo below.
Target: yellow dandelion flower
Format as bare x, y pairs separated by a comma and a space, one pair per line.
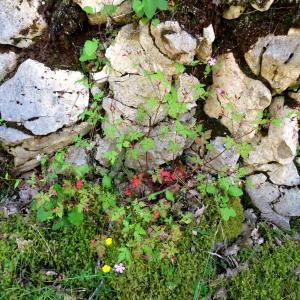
108, 241
106, 268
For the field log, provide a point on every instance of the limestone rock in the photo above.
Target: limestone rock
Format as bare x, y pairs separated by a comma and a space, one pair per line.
294, 31
8, 62
103, 146
220, 159
43, 100
262, 5
282, 141
262, 195
295, 96
24, 148
277, 59
204, 46
20, 22
289, 203
233, 12
77, 156
120, 15
236, 98
133, 52
162, 152
174, 42
281, 174
102, 77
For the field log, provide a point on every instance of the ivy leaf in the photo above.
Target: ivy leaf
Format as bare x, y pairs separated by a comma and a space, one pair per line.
147, 144
106, 182
108, 10
211, 189
155, 22
227, 212
75, 217
170, 196
44, 213
124, 254
235, 191
89, 50
138, 8
149, 8
88, 10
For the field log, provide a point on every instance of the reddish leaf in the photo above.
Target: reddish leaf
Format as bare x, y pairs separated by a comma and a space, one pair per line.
79, 184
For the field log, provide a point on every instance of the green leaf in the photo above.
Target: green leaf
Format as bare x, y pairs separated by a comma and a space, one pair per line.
108, 10
155, 22
88, 10
179, 68
149, 8
235, 191
276, 122
147, 144
89, 50
44, 213
170, 196
124, 254
118, 213
106, 182
161, 4
211, 189
227, 212
75, 217
138, 8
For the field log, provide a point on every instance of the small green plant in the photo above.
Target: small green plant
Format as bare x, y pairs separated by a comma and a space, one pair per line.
106, 11
93, 115
148, 8
64, 202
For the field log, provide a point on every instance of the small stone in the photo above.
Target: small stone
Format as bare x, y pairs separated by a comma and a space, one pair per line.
262, 5
233, 12
174, 42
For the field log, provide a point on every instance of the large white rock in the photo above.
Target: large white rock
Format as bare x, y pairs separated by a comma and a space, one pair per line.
205, 42
236, 98
176, 43
20, 22
134, 52
220, 159
277, 59
8, 62
24, 147
162, 152
281, 174
282, 141
262, 195
289, 203
43, 100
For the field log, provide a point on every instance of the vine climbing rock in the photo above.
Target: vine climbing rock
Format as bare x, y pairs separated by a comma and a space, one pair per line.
174, 42
277, 59
134, 57
280, 145
37, 102
20, 22
236, 98
121, 10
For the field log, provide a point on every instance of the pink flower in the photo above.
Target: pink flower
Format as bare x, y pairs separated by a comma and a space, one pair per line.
38, 157
119, 268
220, 91
212, 61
